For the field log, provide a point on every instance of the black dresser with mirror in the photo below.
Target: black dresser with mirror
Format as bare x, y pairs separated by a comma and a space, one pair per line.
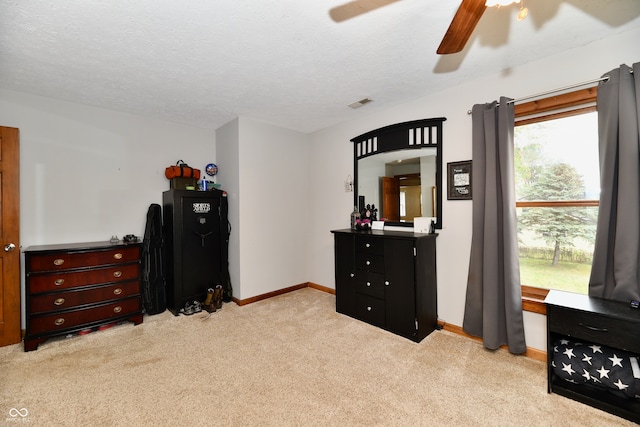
387, 277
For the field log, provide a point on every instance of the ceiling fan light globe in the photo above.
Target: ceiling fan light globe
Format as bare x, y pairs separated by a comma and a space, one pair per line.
522, 14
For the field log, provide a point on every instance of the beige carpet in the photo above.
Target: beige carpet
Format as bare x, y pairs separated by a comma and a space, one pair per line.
289, 360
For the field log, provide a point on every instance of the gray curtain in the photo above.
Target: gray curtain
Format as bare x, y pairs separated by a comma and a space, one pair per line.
615, 273
493, 309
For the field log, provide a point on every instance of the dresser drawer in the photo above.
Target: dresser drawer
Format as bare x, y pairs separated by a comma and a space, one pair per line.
52, 323
67, 280
79, 297
370, 245
370, 309
65, 261
614, 332
369, 262
371, 284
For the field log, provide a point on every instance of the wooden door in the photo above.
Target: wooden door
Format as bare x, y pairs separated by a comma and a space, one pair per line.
9, 236
413, 202
391, 198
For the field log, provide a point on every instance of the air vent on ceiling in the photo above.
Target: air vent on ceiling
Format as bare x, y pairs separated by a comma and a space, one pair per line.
360, 103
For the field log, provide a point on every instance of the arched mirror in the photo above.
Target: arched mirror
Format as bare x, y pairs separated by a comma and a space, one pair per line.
398, 168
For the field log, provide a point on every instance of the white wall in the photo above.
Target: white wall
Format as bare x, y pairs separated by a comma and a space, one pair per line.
369, 185
428, 181
271, 197
87, 173
228, 152
332, 147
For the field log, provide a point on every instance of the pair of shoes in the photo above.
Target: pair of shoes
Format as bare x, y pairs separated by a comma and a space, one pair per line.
191, 307
209, 302
217, 297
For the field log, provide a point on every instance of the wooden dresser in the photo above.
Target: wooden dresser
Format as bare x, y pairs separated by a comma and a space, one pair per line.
388, 279
80, 286
605, 322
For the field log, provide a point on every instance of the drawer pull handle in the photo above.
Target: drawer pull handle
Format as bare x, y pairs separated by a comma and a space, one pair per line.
117, 273
367, 245
58, 282
368, 262
368, 283
59, 301
117, 256
369, 308
117, 309
593, 328
386, 283
59, 321
117, 291
58, 261
351, 275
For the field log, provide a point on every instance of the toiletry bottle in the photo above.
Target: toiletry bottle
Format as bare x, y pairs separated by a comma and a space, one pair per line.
355, 215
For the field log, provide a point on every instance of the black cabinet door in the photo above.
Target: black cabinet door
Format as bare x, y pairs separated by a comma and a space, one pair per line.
345, 274
399, 287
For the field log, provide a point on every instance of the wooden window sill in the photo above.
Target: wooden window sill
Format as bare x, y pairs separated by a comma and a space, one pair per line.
533, 299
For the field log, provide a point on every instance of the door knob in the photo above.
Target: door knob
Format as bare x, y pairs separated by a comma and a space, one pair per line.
9, 247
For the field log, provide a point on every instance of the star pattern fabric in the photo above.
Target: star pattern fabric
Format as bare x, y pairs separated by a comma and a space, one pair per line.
597, 365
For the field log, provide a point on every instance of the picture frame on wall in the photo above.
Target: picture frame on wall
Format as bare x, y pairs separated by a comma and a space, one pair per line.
459, 180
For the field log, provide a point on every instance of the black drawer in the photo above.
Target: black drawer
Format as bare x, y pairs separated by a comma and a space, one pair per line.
369, 262
371, 284
613, 332
370, 309
369, 245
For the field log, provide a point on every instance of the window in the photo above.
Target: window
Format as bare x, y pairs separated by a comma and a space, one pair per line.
557, 192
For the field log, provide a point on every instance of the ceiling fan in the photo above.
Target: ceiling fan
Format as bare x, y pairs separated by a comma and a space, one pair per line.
460, 29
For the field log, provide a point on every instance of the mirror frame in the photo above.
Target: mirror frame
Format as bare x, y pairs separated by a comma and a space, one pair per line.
410, 135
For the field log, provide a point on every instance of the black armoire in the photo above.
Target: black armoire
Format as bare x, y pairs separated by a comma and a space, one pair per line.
196, 236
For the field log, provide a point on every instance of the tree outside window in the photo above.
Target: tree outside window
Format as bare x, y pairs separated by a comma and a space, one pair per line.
557, 189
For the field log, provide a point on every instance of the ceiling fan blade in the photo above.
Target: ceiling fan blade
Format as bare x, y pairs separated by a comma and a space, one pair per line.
461, 27
355, 8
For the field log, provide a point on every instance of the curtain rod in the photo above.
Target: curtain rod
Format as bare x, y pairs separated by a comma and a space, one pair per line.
549, 92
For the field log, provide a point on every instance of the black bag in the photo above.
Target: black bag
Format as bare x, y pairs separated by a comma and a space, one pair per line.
154, 299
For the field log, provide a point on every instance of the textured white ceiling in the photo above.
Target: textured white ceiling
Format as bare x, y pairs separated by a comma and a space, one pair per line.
205, 62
